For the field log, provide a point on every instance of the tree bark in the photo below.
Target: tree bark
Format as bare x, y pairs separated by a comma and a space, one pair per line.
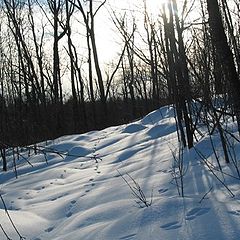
225, 55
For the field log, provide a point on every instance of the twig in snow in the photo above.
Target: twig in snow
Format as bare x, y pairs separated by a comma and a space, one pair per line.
206, 194
4, 232
10, 219
137, 191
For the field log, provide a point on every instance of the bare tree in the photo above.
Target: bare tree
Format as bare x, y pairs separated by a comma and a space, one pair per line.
225, 56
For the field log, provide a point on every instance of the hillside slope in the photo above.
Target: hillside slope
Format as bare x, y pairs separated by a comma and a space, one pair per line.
81, 195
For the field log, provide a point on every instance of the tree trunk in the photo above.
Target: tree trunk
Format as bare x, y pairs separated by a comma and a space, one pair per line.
225, 55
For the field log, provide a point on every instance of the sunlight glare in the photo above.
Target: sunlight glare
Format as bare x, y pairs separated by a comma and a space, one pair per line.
155, 5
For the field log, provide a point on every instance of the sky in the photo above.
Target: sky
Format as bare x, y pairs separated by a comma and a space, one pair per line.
108, 39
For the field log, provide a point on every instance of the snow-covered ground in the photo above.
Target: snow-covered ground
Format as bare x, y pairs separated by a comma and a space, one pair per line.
81, 195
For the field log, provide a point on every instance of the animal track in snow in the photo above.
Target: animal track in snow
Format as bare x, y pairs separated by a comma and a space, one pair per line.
39, 188
68, 214
164, 171
236, 212
49, 229
171, 225
195, 212
90, 185
163, 190
55, 198
69, 208
127, 237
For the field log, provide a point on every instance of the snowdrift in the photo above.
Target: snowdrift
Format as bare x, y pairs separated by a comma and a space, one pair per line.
81, 194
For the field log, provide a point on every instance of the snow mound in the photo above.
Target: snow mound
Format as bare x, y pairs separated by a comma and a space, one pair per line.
79, 188
133, 128
165, 127
157, 115
77, 152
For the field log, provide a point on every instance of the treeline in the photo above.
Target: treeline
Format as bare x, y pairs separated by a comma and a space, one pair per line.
190, 50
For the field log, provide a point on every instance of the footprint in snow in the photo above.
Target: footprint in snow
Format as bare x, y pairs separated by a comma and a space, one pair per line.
127, 237
171, 225
164, 171
162, 190
235, 213
195, 212
55, 198
68, 214
69, 208
89, 185
49, 229
39, 188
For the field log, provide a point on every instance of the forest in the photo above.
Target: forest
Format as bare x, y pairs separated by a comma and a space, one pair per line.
119, 120
49, 86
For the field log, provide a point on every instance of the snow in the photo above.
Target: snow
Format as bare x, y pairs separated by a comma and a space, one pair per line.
81, 195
